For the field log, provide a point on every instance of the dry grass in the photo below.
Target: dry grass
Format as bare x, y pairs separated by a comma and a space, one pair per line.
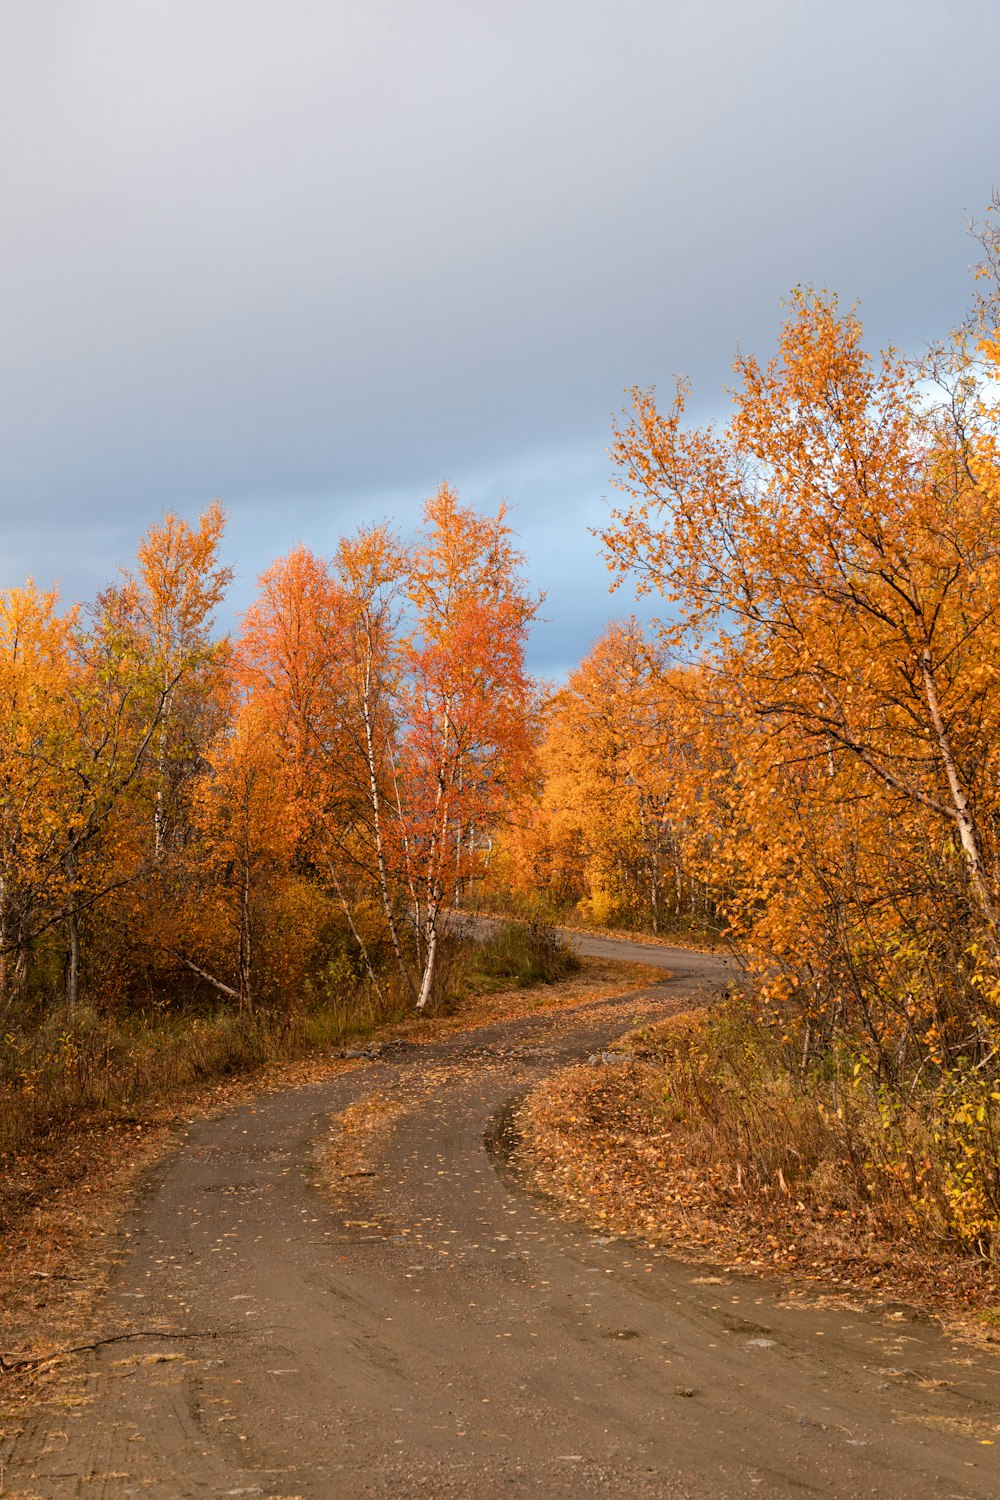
89, 1067
744, 1170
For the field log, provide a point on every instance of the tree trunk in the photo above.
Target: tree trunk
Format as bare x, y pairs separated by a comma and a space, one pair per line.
427, 981
375, 799
73, 962
967, 831
5, 954
73, 925
162, 767
437, 855
217, 984
245, 935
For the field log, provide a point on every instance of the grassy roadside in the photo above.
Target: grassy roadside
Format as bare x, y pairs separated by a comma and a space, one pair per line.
67, 1200
690, 1143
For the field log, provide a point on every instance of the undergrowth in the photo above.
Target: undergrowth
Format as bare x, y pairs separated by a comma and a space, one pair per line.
519, 954
914, 1159
60, 1067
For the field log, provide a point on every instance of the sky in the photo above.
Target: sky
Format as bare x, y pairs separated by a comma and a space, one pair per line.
315, 256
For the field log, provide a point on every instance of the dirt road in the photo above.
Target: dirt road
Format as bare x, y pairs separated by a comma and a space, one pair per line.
429, 1331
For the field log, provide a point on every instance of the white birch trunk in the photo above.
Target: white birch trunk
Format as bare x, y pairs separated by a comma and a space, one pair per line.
967, 830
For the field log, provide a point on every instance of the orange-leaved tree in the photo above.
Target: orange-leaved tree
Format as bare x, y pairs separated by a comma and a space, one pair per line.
607, 761
36, 669
239, 860
393, 680
834, 552
466, 704
170, 600
292, 664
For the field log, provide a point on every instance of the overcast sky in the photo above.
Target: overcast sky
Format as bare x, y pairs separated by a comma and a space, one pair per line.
314, 256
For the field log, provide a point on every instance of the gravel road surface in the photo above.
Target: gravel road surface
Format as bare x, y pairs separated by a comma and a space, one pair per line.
428, 1330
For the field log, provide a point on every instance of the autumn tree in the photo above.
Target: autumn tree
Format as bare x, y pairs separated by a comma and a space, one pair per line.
144, 702
599, 828
82, 705
373, 569
466, 702
36, 664
169, 601
245, 827
393, 678
833, 552
291, 664
312, 662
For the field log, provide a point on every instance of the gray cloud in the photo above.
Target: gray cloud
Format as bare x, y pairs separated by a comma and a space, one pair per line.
313, 256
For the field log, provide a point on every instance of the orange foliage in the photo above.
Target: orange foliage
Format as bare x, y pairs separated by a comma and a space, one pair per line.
343, 766
603, 829
466, 701
834, 552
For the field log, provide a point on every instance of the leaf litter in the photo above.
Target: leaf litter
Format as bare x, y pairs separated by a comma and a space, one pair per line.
595, 1141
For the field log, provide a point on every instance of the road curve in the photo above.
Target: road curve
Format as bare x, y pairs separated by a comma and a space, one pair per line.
432, 1332
688, 967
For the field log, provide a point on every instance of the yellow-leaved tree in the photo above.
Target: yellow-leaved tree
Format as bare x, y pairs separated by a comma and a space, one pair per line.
600, 829
833, 555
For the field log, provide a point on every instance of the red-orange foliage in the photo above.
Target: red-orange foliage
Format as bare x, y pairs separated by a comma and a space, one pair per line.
394, 682
347, 761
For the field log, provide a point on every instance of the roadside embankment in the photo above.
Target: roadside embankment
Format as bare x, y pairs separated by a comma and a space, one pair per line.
690, 1134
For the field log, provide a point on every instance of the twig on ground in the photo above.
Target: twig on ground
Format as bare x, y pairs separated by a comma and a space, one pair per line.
32, 1361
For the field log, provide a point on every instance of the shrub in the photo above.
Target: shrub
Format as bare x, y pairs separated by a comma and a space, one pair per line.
918, 1158
522, 953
